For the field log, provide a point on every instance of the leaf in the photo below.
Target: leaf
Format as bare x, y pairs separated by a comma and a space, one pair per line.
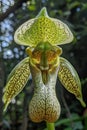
70, 79
77, 125
68, 128
16, 81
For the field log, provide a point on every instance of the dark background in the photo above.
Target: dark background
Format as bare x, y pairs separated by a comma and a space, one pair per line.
12, 14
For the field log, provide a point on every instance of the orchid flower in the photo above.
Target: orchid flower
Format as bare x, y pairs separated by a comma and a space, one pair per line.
42, 35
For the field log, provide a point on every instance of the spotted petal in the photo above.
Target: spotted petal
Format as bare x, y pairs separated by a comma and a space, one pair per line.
43, 29
16, 81
70, 79
64, 35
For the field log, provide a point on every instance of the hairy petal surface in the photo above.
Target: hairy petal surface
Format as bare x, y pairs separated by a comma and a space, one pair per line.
70, 79
16, 81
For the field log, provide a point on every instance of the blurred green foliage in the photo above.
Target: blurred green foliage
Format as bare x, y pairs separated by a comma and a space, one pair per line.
74, 14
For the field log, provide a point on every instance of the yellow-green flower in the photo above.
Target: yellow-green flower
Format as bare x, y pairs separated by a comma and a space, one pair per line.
42, 35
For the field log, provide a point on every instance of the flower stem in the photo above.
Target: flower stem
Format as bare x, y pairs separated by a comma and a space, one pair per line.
50, 126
